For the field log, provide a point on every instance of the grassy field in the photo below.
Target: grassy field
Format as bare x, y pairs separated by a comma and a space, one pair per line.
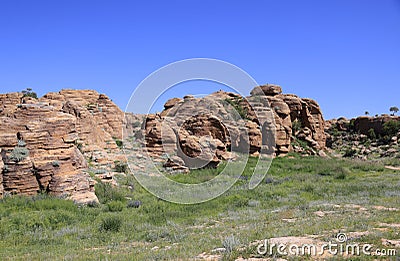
299, 197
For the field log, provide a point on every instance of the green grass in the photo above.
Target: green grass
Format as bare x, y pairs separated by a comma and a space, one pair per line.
47, 228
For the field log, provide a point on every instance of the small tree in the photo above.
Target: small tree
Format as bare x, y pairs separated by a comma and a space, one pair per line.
29, 93
371, 134
366, 113
394, 110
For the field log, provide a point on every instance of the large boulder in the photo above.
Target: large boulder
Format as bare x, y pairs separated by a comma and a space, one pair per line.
267, 89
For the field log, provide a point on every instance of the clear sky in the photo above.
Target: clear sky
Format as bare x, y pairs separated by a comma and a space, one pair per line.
343, 53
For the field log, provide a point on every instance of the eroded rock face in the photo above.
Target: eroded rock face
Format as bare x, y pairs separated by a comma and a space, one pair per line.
363, 137
363, 124
295, 116
1, 176
203, 141
196, 120
58, 131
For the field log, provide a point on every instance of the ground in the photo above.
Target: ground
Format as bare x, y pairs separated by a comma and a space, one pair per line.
302, 199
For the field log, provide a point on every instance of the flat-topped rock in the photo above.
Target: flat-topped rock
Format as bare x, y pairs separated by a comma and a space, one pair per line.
267, 89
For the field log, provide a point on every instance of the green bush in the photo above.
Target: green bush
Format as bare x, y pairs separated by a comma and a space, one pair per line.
121, 167
332, 169
119, 143
21, 143
371, 134
115, 206
230, 243
391, 128
110, 224
19, 153
56, 164
350, 153
296, 125
106, 193
136, 124
235, 103
29, 93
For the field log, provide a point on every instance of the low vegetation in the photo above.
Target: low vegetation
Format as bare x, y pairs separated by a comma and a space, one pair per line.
134, 225
28, 92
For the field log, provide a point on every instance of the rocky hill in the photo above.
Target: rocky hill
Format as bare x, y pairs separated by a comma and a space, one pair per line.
364, 137
45, 143
63, 141
298, 124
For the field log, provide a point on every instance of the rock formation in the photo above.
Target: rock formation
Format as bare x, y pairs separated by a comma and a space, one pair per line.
364, 124
192, 122
364, 137
44, 142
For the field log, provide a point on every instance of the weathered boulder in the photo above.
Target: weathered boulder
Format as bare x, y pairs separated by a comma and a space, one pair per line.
267, 89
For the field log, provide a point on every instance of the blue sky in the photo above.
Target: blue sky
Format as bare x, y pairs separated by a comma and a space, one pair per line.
343, 53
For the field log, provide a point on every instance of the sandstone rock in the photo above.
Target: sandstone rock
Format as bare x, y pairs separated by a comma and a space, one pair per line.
171, 102
352, 138
203, 139
52, 127
364, 123
268, 89
185, 130
1, 176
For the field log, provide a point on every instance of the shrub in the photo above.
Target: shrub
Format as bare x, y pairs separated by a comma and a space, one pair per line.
21, 143
78, 145
371, 134
29, 93
235, 103
350, 153
230, 243
390, 128
56, 164
110, 224
19, 153
121, 167
119, 143
296, 126
93, 204
136, 124
115, 206
100, 171
341, 175
106, 193
332, 170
